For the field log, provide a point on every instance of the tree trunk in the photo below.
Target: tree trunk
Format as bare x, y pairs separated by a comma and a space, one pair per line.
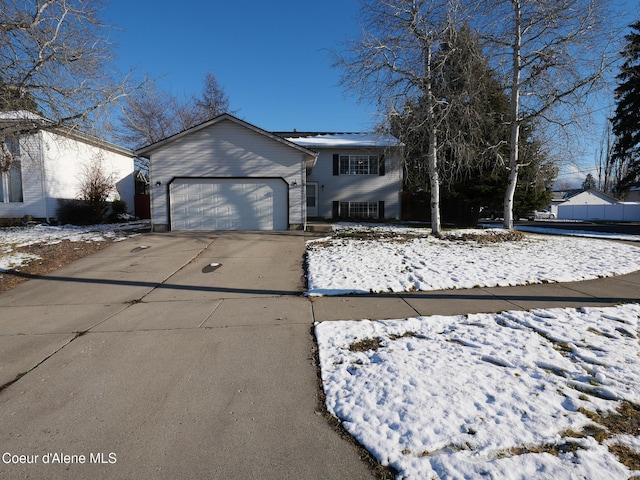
434, 182
513, 177
515, 119
432, 151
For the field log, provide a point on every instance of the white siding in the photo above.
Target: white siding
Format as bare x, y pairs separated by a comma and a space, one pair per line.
589, 197
621, 212
65, 161
357, 188
225, 150
32, 187
51, 168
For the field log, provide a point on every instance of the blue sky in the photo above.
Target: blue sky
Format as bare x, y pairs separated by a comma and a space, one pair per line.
271, 57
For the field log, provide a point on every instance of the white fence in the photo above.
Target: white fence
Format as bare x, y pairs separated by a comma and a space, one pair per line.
620, 212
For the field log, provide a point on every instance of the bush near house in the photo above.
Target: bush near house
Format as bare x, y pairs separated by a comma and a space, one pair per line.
85, 212
77, 212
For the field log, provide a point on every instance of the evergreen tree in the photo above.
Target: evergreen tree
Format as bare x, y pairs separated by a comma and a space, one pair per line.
473, 141
589, 183
469, 117
11, 99
626, 121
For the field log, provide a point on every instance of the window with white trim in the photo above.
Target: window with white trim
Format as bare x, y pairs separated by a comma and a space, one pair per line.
358, 165
358, 210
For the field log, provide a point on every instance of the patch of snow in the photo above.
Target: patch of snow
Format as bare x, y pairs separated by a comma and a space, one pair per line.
579, 233
484, 395
15, 237
10, 260
17, 115
347, 140
422, 262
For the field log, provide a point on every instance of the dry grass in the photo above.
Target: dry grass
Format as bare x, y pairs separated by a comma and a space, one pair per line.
626, 455
626, 421
366, 344
53, 257
493, 236
550, 448
482, 237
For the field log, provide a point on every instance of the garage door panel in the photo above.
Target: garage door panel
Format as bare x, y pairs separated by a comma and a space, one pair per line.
229, 204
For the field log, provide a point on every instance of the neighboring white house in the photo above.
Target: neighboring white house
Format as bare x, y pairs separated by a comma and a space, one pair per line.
227, 174
594, 205
48, 166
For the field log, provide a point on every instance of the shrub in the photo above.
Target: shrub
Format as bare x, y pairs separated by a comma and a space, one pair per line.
96, 184
77, 212
118, 209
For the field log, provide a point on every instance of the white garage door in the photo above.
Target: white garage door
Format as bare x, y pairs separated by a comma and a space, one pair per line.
229, 204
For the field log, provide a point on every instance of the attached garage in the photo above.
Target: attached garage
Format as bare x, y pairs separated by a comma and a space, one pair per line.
226, 174
229, 204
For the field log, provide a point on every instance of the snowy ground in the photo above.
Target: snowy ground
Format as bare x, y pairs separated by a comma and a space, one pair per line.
499, 396
415, 261
486, 396
14, 237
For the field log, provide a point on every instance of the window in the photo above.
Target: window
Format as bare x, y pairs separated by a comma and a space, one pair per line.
358, 210
311, 195
358, 165
13, 144
11, 181
14, 181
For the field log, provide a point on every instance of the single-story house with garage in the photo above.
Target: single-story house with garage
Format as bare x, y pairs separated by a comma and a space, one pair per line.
48, 163
227, 174
579, 196
594, 205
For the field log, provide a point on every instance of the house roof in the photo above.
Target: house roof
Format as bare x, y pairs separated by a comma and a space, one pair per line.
20, 115
34, 122
344, 139
565, 195
145, 151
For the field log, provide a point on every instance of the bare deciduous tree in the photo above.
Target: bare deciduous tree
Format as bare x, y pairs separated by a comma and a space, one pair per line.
55, 56
604, 163
553, 54
213, 100
147, 117
151, 115
398, 59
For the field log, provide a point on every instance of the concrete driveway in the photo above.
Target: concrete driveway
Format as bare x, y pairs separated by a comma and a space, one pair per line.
167, 356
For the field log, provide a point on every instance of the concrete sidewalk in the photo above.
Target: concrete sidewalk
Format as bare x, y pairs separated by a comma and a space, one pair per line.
590, 293
190, 356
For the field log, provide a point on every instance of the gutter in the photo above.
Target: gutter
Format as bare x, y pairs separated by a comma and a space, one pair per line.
44, 177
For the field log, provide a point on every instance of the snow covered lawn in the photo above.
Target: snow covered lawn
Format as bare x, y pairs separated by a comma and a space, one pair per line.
411, 260
12, 238
500, 396
515, 395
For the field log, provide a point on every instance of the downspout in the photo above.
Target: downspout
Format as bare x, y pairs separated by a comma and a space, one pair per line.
303, 193
44, 177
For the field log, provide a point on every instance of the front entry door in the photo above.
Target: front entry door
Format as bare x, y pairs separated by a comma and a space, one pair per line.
312, 199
